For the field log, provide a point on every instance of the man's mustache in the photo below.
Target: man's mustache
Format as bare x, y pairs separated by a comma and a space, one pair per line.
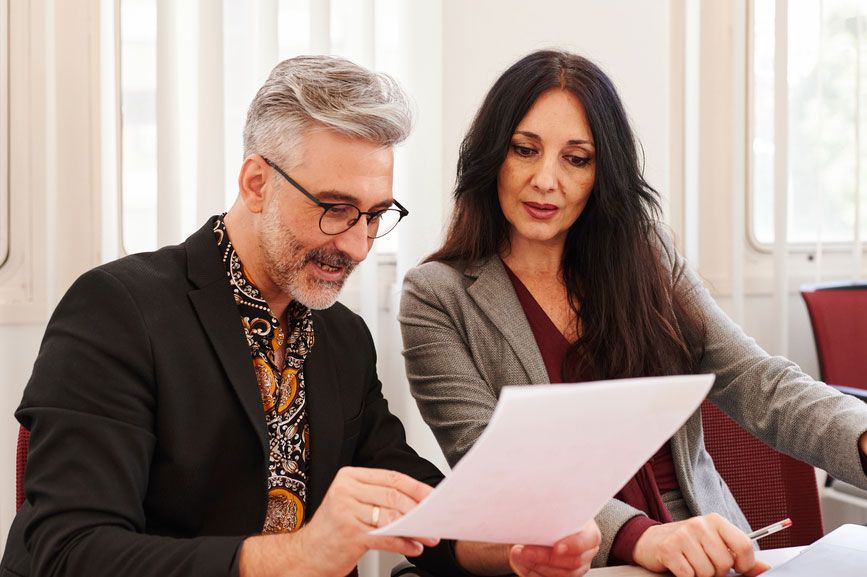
333, 258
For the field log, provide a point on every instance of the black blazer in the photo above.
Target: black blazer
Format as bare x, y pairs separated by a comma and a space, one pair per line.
148, 447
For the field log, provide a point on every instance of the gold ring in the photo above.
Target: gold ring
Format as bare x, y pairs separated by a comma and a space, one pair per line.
374, 516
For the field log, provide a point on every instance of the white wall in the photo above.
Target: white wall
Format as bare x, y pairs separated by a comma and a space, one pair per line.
628, 39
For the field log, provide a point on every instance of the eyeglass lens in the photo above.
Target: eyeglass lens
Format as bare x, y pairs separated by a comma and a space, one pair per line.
341, 217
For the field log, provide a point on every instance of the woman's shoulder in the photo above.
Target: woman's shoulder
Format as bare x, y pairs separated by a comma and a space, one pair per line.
447, 276
437, 269
449, 271
436, 276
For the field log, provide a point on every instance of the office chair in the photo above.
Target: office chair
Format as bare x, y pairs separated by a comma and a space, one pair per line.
838, 314
407, 569
20, 464
767, 484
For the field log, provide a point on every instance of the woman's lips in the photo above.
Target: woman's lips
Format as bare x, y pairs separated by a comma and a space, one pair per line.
540, 211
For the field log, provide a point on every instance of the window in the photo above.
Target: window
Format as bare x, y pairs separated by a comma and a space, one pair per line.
138, 157
827, 77
253, 40
5, 205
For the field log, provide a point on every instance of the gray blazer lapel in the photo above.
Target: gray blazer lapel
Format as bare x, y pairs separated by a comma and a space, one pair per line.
492, 291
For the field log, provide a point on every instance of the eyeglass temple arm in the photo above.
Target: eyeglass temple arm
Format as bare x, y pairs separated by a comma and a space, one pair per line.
403, 210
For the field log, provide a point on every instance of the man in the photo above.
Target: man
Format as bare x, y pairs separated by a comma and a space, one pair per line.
208, 410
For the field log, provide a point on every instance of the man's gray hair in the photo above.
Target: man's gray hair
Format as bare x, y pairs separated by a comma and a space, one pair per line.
328, 91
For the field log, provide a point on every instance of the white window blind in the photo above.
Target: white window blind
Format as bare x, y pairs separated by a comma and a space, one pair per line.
188, 72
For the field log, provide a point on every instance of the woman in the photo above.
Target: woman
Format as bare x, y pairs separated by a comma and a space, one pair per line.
554, 269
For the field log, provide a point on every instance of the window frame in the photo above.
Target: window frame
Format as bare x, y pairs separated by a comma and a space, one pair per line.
801, 250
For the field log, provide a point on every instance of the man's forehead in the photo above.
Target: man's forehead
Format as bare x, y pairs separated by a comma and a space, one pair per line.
340, 168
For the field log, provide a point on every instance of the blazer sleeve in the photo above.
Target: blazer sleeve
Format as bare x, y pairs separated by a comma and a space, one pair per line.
773, 399
90, 408
452, 394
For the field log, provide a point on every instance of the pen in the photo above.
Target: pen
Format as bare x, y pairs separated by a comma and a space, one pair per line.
770, 529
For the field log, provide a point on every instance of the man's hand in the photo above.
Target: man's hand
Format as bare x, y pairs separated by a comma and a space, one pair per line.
357, 501
705, 546
568, 557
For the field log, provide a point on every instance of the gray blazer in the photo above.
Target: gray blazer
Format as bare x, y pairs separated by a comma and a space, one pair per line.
465, 336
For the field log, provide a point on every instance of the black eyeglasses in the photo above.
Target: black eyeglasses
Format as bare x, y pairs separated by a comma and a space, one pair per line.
339, 217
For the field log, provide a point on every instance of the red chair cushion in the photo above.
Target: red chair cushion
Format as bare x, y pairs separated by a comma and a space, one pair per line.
20, 464
768, 485
839, 319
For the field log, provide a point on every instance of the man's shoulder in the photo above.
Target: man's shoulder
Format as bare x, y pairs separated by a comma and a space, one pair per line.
152, 280
147, 270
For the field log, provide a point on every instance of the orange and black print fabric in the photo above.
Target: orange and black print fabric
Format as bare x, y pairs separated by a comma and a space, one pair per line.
281, 385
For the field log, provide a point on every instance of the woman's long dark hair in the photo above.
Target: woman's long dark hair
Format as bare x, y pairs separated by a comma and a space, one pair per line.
622, 283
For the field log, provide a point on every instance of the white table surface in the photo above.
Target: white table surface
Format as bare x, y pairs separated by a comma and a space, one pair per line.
771, 557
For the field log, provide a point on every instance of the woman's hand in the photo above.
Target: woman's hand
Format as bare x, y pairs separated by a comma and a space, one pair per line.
568, 557
705, 546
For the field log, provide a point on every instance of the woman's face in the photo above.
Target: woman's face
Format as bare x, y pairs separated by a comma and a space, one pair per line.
546, 179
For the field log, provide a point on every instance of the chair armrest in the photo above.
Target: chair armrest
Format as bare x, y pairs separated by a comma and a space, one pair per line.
407, 569
853, 391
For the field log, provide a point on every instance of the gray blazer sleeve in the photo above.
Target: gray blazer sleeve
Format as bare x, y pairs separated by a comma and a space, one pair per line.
455, 373
777, 402
451, 392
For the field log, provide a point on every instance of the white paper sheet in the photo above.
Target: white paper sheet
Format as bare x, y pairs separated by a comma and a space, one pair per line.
551, 457
841, 553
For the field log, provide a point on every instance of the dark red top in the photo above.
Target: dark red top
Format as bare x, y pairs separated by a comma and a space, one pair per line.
644, 490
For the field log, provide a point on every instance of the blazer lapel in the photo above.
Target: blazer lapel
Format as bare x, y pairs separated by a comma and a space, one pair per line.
219, 316
493, 293
324, 415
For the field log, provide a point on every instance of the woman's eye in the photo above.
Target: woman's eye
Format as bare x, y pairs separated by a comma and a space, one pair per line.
523, 150
578, 160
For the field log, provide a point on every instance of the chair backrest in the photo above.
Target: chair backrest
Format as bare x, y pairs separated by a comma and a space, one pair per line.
20, 464
838, 313
768, 485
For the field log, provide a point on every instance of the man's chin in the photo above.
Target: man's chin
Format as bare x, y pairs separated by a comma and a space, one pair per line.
317, 298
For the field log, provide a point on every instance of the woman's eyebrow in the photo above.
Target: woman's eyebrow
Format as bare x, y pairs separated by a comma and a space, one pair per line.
535, 136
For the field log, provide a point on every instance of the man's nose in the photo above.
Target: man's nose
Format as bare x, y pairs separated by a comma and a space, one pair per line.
354, 242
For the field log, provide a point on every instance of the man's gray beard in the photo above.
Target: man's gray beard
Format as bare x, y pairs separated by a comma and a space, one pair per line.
284, 259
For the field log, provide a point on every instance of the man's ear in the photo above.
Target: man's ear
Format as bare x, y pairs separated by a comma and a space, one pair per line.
253, 182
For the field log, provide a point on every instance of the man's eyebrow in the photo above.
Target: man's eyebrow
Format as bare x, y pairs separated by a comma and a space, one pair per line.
336, 196
535, 136
348, 198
